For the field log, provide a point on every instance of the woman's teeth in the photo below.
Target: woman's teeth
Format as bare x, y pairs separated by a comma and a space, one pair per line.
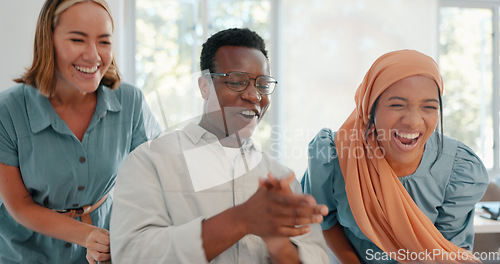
87, 70
408, 135
407, 138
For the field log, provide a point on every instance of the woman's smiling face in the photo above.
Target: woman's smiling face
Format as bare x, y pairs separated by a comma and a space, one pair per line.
83, 47
406, 115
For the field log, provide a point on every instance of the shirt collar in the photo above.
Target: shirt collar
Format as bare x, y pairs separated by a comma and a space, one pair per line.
36, 107
196, 133
41, 113
106, 101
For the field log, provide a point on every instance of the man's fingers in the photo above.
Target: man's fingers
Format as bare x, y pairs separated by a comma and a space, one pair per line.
279, 184
308, 214
272, 179
293, 199
263, 183
293, 231
285, 183
323, 210
300, 221
289, 178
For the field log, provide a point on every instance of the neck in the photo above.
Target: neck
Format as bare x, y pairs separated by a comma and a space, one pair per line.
65, 98
403, 170
226, 140
231, 142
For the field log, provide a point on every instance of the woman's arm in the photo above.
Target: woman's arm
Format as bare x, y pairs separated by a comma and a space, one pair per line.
339, 245
26, 212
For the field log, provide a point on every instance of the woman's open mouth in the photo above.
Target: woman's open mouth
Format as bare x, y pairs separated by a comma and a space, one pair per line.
406, 141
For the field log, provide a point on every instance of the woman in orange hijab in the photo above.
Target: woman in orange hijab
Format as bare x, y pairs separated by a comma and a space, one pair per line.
396, 188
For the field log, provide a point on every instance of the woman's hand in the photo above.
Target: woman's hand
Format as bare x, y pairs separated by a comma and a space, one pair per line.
97, 244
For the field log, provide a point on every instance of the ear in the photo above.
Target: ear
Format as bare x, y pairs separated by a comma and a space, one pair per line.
204, 85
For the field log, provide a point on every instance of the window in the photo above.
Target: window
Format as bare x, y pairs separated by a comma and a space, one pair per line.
468, 58
169, 36
327, 47
319, 52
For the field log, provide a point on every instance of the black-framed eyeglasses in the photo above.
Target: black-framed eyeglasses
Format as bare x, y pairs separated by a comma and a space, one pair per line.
239, 81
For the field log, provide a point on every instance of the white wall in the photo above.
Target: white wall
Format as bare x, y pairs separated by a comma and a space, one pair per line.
327, 47
17, 31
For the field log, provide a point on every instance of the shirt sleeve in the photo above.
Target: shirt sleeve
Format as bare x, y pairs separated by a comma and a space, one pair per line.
11, 109
141, 228
145, 126
8, 145
467, 184
311, 246
318, 178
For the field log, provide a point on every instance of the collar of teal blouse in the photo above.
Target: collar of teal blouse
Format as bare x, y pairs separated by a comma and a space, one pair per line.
41, 114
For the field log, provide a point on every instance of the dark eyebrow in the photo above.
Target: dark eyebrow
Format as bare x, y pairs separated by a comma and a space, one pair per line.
406, 100
397, 98
432, 101
84, 34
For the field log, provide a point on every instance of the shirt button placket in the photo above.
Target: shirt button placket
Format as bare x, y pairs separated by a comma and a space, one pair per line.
80, 188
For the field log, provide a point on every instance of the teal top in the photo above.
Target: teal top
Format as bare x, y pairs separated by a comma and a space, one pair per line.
445, 189
58, 170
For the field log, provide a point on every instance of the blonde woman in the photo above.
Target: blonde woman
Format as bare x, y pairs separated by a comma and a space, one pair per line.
64, 131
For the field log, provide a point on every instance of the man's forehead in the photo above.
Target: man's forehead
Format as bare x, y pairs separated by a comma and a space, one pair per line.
238, 58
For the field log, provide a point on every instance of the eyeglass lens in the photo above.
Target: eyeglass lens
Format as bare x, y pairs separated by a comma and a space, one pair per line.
239, 82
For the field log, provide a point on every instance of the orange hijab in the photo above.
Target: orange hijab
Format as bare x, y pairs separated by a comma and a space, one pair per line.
382, 208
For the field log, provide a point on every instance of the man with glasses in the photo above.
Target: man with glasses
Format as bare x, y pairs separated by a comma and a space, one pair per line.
207, 193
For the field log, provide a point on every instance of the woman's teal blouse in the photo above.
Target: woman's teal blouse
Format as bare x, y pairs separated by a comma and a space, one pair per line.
58, 170
445, 189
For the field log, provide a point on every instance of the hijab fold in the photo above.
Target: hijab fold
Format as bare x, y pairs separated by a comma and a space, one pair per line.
381, 206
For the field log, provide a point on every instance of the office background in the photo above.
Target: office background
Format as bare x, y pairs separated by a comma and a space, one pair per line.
319, 52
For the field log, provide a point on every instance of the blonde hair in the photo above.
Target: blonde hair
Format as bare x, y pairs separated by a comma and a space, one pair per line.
41, 75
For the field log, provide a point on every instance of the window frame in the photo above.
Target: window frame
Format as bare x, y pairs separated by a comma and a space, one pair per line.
127, 51
494, 6
125, 20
